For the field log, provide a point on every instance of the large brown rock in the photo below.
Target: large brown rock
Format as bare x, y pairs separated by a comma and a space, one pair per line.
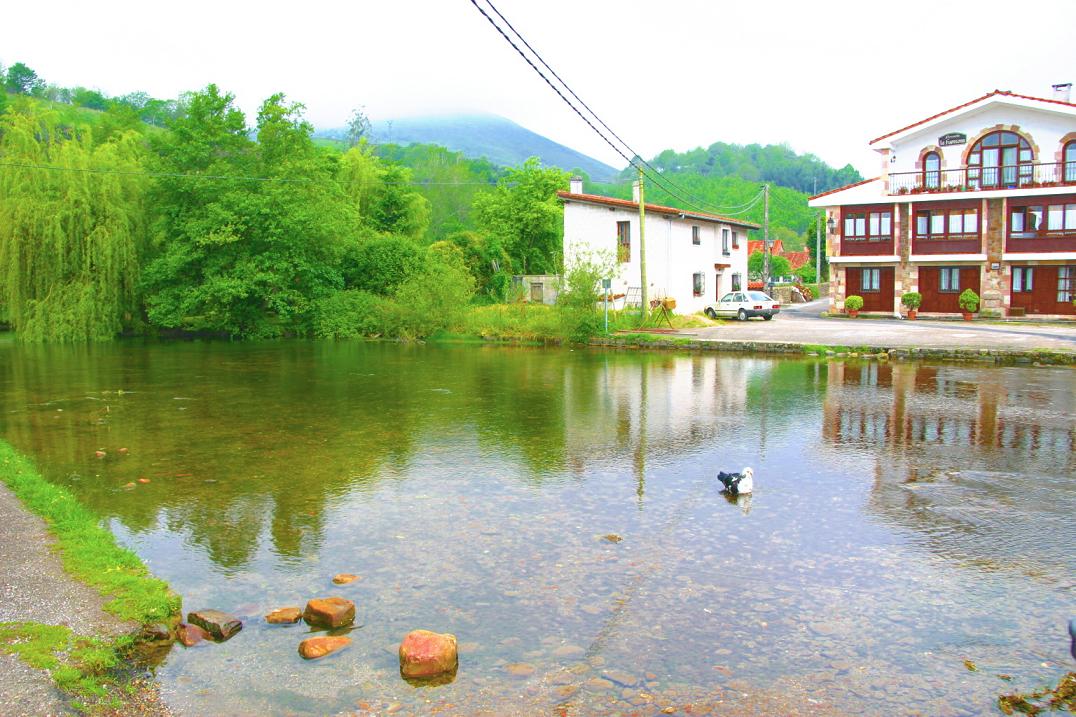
284, 616
329, 612
314, 647
190, 635
219, 625
427, 654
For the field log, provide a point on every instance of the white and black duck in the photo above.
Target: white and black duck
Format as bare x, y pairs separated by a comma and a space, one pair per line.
741, 483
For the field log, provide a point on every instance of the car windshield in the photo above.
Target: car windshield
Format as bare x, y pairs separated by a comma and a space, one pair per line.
759, 296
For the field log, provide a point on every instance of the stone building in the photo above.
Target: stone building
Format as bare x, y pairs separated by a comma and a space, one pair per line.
979, 196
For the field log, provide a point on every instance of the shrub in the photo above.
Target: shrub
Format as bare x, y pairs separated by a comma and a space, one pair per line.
351, 313
912, 299
437, 297
381, 265
583, 274
969, 301
853, 303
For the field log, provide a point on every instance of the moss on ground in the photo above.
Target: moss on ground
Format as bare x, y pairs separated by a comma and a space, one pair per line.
89, 669
88, 551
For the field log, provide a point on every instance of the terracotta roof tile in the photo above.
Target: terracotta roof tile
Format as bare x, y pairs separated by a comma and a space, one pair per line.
655, 208
995, 93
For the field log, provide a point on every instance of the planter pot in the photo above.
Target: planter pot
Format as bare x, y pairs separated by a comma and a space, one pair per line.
911, 314
852, 313
967, 316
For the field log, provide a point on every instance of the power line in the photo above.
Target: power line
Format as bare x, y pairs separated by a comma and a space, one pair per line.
656, 177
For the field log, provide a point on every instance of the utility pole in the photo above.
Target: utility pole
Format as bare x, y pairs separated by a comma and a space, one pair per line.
766, 239
818, 252
645, 294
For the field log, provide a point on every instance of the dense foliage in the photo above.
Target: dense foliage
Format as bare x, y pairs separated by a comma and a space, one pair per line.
776, 164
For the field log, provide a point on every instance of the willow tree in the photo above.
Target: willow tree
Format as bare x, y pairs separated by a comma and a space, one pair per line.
72, 228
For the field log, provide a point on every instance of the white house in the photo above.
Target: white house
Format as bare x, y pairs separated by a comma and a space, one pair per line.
980, 196
692, 257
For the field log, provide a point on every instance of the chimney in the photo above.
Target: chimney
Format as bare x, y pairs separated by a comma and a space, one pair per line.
1063, 92
575, 185
635, 191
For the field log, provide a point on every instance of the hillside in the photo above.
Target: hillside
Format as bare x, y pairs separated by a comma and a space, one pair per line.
501, 141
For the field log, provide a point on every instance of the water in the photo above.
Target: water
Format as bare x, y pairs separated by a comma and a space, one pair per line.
906, 518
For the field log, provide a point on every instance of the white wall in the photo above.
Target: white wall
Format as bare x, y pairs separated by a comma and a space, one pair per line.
1045, 129
671, 258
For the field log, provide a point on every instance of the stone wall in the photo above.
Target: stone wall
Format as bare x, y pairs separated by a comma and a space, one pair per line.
995, 282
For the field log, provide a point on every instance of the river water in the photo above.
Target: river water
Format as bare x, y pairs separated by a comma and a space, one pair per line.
906, 518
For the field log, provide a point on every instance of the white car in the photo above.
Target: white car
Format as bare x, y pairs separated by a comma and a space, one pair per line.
743, 305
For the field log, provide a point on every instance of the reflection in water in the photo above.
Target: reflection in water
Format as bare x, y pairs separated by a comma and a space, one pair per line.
891, 534
1001, 506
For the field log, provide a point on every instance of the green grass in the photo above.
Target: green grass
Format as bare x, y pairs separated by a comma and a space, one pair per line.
88, 551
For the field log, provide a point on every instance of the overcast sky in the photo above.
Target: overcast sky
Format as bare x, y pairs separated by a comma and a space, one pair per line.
825, 77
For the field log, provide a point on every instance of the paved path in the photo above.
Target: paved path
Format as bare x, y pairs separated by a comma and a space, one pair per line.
34, 587
802, 324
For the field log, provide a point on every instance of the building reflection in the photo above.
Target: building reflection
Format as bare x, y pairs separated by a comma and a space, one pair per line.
977, 464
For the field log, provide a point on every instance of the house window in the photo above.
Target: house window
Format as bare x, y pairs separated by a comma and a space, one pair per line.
1021, 279
698, 284
1066, 284
735, 240
946, 223
1070, 161
949, 283
623, 242
736, 286
869, 281
1000, 159
932, 170
868, 225
696, 239
725, 242
1037, 220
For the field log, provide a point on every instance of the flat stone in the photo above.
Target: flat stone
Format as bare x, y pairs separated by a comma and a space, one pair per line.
220, 625
621, 677
157, 632
190, 635
565, 691
598, 683
428, 654
284, 616
519, 669
568, 651
329, 612
314, 647
345, 578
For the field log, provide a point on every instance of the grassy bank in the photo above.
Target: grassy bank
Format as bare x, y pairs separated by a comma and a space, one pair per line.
87, 668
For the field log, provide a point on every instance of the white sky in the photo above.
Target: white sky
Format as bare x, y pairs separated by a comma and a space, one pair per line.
826, 77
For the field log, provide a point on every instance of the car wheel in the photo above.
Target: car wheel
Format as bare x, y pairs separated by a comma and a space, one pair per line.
768, 317
742, 315
711, 313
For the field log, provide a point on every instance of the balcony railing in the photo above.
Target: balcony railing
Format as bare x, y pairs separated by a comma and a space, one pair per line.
978, 179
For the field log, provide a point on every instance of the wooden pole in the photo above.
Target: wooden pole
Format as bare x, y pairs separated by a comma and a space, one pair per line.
645, 294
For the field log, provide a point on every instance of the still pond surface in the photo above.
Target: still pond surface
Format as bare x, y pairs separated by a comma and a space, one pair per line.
906, 518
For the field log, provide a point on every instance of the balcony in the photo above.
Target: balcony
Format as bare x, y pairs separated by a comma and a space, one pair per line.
981, 179
872, 246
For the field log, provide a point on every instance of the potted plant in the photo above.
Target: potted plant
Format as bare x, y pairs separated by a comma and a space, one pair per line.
853, 304
912, 300
969, 303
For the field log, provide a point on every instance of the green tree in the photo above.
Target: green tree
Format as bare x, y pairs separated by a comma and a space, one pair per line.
779, 265
248, 255
382, 264
22, 80
358, 127
71, 242
436, 297
525, 216
382, 194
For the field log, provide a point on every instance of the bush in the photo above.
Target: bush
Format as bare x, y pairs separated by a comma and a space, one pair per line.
853, 303
437, 297
969, 301
381, 265
912, 299
351, 313
583, 274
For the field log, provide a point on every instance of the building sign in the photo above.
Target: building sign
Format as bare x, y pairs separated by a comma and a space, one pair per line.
948, 140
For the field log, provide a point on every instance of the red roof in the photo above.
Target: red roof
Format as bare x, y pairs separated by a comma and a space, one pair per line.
760, 246
796, 259
655, 208
841, 189
995, 93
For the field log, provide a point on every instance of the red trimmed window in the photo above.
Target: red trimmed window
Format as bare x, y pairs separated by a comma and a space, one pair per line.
949, 280
698, 284
947, 223
1035, 221
623, 242
868, 225
870, 281
1069, 156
